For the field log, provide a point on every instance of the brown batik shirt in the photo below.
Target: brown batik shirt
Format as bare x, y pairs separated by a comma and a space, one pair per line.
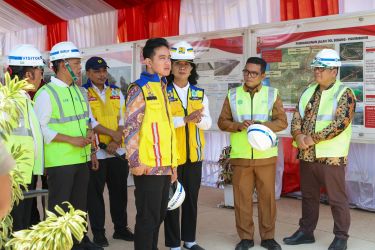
344, 116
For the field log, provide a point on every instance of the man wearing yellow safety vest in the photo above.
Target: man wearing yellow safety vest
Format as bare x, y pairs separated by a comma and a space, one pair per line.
191, 116
246, 105
150, 143
108, 106
64, 118
321, 127
26, 62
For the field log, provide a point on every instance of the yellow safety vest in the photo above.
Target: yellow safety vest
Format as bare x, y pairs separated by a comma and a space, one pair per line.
190, 139
157, 138
69, 117
256, 108
31, 141
339, 145
106, 113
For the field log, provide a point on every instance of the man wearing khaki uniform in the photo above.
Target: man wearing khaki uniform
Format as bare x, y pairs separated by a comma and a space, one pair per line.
245, 105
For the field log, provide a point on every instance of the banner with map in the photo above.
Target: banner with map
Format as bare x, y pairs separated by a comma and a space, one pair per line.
289, 57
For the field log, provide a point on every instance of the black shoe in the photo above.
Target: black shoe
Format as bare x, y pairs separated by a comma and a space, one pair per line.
88, 245
245, 245
194, 247
125, 234
270, 244
100, 240
299, 237
77, 247
338, 244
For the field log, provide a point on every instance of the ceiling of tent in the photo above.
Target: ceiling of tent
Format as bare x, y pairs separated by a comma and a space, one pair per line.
12, 19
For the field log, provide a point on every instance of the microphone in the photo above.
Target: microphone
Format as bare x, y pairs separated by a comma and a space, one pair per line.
104, 147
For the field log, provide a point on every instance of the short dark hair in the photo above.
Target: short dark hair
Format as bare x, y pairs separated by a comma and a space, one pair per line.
55, 65
193, 78
258, 61
19, 71
152, 44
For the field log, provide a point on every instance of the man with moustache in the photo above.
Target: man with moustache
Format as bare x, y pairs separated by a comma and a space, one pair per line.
246, 105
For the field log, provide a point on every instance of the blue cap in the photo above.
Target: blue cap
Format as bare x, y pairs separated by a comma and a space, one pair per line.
96, 62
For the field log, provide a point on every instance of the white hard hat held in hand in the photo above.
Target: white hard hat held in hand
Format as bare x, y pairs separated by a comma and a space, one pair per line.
326, 58
64, 50
182, 51
25, 55
176, 195
261, 137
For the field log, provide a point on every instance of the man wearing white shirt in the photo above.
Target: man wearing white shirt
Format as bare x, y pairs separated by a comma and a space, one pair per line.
108, 106
191, 116
63, 113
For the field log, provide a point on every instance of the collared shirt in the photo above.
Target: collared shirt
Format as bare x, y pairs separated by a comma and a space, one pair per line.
101, 153
344, 115
278, 123
43, 110
135, 111
178, 121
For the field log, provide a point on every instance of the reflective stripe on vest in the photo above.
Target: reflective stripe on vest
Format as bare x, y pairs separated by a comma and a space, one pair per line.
339, 145
190, 139
157, 138
259, 117
256, 108
325, 117
107, 113
69, 117
64, 118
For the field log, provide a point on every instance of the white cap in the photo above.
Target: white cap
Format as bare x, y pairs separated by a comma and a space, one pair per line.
176, 195
25, 55
64, 50
261, 137
326, 58
182, 51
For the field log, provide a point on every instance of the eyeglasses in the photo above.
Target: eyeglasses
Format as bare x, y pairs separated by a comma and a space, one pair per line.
321, 69
253, 74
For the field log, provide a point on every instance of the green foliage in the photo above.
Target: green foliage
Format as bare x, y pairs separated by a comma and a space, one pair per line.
6, 224
53, 233
11, 102
12, 96
225, 176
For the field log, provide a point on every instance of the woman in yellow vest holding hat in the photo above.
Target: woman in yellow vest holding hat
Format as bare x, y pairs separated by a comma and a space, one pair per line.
191, 116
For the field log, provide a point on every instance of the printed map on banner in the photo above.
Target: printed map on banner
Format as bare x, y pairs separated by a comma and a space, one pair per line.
289, 70
219, 64
290, 55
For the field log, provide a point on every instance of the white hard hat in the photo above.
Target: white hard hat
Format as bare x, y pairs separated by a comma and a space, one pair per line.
261, 137
326, 58
182, 51
176, 195
64, 50
25, 55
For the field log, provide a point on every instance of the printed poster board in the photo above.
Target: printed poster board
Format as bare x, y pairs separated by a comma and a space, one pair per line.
289, 56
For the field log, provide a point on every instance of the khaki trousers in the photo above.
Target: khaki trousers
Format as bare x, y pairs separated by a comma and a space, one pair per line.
245, 178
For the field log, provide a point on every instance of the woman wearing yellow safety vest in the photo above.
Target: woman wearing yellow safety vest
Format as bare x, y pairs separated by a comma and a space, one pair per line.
26, 62
190, 116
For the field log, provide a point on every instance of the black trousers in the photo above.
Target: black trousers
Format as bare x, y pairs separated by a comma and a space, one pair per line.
189, 175
151, 200
68, 183
35, 216
114, 172
21, 213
